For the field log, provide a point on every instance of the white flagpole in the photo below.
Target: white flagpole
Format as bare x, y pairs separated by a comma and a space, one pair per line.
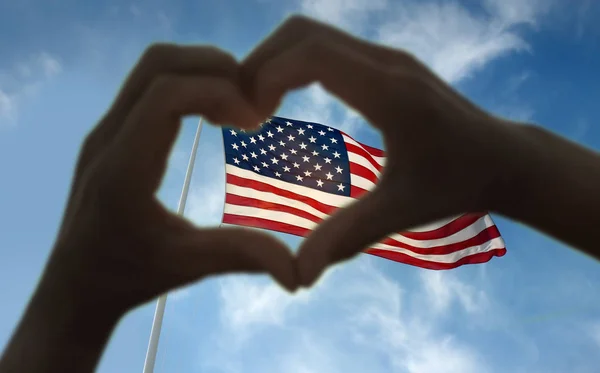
162, 300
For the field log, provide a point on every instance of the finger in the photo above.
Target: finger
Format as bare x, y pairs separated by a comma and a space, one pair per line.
204, 252
351, 230
136, 160
159, 59
298, 29
341, 71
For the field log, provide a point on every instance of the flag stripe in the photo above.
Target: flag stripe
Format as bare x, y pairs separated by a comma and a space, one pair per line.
360, 148
494, 247
301, 218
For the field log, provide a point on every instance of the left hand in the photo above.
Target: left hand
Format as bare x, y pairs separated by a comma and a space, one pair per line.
118, 246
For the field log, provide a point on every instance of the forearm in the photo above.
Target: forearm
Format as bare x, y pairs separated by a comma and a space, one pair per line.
56, 335
555, 188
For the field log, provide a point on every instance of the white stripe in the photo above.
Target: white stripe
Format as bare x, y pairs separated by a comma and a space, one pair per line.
361, 182
359, 159
329, 199
379, 160
323, 197
289, 218
496, 243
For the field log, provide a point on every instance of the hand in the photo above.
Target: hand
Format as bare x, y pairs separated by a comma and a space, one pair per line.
442, 152
118, 246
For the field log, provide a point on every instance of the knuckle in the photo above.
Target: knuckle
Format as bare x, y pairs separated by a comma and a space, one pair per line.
159, 53
299, 23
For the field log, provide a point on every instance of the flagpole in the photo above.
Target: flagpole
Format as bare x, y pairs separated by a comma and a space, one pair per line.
162, 300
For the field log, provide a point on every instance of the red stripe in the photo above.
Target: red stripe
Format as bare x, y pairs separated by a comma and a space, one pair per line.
449, 229
258, 203
362, 171
387, 254
479, 239
265, 224
407, 259
257, 185
376, 152
360, 151
355, 192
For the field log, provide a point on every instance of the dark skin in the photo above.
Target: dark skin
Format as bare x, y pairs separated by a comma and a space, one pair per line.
118, 247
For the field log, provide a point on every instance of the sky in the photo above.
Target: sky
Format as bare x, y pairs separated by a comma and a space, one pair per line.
537, 309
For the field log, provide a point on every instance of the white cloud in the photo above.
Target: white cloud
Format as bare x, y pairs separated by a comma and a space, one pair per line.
452, 40
355, 311
23, 81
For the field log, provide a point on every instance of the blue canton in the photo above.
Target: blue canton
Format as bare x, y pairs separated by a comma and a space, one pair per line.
302, 153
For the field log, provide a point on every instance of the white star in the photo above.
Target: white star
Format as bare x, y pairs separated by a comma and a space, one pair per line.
274, 160
312, 139
281, 143
309, 126
319, 183
318, 167
269, 133
327, 160
279, 129
300, 131
302, 146
329, 176
286, 168
261, 137
235, 146
336, 155
245, 157
307, 173
284, 156
256, 169
324, 147
243, 144
333, 141
233, 132
329, 129
268, 120
322, 133
315, 153
243, 130
298, 177
291, 138
288, 123
265, 165
305, 158
339, 169
263, 151
277, 174
252, 140
341, 187
237, 161
296, 165
293, 151
253, 155
272, 148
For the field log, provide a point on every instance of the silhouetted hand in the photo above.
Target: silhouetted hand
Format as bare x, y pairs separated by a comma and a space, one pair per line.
118, 246
443, 153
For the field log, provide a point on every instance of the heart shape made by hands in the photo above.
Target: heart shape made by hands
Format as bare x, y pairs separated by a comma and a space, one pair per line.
118, 244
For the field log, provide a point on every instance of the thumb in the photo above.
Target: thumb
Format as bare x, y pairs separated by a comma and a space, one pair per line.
204, 252
348, 231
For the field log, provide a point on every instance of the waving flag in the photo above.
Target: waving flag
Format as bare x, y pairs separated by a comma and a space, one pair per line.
291, 175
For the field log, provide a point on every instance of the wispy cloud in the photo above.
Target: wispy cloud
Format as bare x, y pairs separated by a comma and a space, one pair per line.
22, 82
453, 40
362, 313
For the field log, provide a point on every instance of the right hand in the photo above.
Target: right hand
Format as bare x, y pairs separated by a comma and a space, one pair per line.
445, 156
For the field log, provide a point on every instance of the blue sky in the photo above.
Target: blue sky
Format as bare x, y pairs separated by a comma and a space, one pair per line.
537, 309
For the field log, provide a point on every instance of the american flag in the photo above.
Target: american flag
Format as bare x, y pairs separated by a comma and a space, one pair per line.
291, 174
